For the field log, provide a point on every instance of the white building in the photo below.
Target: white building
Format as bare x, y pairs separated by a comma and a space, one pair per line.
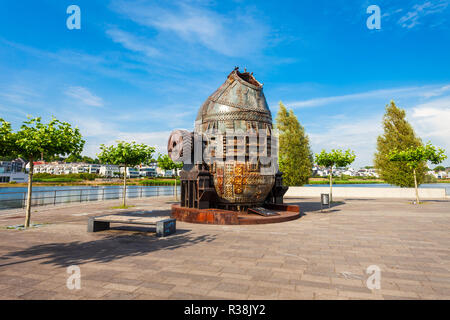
147, 172
80, 168
131, 172
94, 168
109, 171
441, 175
13, 177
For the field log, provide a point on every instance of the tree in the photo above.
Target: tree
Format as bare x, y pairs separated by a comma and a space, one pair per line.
439, 168
166, 163
6, 139
398, 135
416, 157
295, 156
126, 154
337, 158
80, 158
35, 138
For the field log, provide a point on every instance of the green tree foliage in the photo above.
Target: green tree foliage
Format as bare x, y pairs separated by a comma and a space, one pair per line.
295, 156
166, 163
126, 154
35, 139
417, 157
335, 158
6, 139
85, 159
398, 135
439, 168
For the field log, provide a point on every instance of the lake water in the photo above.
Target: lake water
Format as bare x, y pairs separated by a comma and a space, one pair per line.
14, 197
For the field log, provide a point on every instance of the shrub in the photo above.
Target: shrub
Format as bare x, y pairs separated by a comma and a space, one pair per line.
430, 179
64, 177
156, 182
57, 179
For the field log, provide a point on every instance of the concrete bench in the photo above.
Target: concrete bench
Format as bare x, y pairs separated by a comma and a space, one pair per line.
164, 226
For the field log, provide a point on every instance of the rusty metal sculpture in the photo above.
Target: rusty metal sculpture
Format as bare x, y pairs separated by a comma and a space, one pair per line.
223, 163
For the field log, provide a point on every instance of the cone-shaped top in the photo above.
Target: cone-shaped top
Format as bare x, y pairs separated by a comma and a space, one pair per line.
240, 97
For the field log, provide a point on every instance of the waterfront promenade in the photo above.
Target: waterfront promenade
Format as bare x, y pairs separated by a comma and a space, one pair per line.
322, 255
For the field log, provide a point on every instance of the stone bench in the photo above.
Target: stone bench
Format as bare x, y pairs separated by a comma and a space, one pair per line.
164, 225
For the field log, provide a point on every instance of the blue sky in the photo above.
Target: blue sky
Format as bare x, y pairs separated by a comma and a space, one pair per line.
139, 69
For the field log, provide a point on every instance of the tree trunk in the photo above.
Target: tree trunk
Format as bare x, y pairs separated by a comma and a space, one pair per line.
176, 194
415, 184
124, 196
331, 184
30, 187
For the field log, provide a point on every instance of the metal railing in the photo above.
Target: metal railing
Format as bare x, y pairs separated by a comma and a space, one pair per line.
13, 200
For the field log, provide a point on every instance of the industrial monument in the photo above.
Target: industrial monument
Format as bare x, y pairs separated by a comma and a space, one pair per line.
230, 173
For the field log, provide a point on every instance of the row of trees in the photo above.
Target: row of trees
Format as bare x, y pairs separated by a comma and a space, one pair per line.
57, 139
401, 158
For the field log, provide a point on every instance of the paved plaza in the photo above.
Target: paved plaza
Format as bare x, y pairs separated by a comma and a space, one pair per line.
322, 255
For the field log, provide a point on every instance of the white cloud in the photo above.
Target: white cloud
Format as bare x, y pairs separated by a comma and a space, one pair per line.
157, 139
357, 134
432, 122
84, 96
412, 18
232, 34
437, 92
386, 94
132, 42
97, 131
18, 94
427, 109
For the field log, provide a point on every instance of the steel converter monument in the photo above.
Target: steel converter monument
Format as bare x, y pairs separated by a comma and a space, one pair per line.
230, 173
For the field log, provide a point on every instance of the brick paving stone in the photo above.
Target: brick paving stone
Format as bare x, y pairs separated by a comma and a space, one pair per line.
190, 290
119, 295
121, 287
158, 286
228, 295
231, 287
153, 292
320, 256
186, 296
295, 295
389, 297
264, 291
320, 296
15, 291
38, 295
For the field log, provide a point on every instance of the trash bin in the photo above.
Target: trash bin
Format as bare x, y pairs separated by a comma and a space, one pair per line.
324, 200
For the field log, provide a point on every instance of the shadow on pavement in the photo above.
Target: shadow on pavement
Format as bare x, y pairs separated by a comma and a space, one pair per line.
314, 206
107, 249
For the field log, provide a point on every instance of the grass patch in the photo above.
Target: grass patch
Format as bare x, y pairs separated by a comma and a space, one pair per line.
57, 180
122, 207
420, 202
158, 182
77, 176
22, 227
